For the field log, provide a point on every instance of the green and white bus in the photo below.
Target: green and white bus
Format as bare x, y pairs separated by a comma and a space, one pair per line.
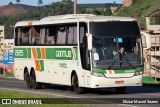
79, 50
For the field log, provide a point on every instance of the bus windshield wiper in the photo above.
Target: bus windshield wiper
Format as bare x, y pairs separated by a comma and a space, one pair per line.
128, 62
114, 62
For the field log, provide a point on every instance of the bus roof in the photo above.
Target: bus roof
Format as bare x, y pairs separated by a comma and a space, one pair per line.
72, 18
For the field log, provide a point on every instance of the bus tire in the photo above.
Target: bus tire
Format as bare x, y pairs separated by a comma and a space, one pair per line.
28, 80
75, 83
120, 90
35, 85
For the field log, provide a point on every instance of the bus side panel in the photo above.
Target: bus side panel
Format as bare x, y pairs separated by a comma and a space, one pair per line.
19, 66
18, 69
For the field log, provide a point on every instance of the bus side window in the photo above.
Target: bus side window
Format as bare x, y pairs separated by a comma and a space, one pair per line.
72, 35
37, 39
61, 37
18, 36
82, 34
42, 35
51, 36
83, 46
25, 37
33, 34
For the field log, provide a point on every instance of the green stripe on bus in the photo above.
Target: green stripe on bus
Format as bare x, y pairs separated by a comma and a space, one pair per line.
76, 50
98, 70
61, 53
20, 52
138, 69
29, 52
42, 65
39, 53
51, 53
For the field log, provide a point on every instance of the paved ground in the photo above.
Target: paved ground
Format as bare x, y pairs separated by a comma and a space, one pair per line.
94, 97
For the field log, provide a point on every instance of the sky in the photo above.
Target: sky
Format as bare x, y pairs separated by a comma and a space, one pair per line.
45, 2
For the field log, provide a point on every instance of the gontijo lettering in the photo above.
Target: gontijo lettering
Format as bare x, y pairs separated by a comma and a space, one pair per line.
63, 54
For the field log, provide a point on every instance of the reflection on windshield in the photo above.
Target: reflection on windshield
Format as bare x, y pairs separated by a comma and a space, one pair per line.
116, 53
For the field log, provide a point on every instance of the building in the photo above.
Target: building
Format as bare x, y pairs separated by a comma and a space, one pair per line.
127, 3
151, 19
8, 44
114, 9
1, 38
152, 54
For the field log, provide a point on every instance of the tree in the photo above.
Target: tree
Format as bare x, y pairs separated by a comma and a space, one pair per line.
67, 2
107, 12
10, 3
40, 2
18, 1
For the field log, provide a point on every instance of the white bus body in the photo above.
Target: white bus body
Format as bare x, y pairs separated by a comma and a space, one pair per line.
55, 50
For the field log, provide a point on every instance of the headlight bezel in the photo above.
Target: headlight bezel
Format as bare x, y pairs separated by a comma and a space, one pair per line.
138, 73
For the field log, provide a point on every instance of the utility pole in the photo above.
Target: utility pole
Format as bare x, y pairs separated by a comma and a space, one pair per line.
75, 6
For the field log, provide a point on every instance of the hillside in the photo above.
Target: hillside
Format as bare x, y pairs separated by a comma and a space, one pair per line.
57, 8
14, 9
139, 10
102, 5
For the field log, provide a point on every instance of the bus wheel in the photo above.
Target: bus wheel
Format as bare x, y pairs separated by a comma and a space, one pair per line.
28, 80
75, 83
35, 85
120, 90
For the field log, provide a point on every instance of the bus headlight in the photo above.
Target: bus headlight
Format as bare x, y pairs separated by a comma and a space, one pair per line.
138, 73
98, 74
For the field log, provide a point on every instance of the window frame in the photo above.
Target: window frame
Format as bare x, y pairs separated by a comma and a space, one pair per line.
47, 26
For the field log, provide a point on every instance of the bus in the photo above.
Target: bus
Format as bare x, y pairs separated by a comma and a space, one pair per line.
79, 51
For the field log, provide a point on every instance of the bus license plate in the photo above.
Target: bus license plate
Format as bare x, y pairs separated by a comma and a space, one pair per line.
119, 82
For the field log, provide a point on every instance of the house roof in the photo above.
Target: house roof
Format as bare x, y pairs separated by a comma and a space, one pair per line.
154, 13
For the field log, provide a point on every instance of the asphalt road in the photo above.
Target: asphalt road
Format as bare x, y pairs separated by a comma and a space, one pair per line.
94, 97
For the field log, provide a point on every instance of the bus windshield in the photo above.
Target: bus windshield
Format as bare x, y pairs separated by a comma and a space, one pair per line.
116, 52
116, 28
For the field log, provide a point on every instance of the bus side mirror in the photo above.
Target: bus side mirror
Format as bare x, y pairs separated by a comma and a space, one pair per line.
147, 39
89, 41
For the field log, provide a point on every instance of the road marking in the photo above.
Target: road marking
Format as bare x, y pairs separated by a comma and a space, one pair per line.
64, 96
127, 105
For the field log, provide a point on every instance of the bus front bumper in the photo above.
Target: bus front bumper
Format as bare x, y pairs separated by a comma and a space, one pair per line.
103, 82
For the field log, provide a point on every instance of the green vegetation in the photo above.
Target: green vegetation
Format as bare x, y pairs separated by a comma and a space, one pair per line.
139, 10
15, 94
8, 74
58, 8
99, 11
